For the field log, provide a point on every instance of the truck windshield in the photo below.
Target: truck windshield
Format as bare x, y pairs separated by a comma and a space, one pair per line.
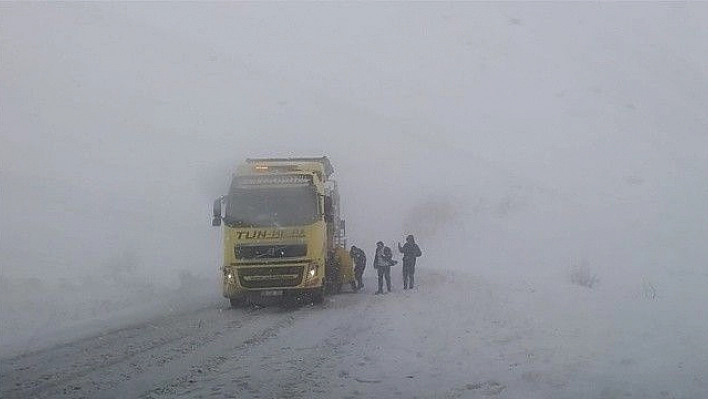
271, 206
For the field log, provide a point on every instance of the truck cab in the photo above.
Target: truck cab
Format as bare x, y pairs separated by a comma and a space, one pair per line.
282, 230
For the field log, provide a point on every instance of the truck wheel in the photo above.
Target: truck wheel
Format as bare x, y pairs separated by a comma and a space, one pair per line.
237, 302
318, 296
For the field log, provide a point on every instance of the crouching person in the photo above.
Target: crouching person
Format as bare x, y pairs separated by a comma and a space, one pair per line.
359, 258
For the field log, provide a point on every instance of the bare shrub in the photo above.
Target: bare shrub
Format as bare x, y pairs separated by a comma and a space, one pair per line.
580, 274
649, 290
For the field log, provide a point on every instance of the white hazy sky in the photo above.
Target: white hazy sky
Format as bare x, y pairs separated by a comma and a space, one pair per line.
518, 134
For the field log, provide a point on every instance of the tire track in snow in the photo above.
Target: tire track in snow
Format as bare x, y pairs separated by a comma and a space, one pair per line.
33, 373
291, 362
342, 334
210, 358
117, 360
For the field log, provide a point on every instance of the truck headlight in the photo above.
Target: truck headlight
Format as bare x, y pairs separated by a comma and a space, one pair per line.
311, 270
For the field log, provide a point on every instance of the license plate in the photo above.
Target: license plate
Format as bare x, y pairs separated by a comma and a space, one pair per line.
272, 293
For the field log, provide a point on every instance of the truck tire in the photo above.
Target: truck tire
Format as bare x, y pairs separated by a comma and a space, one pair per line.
333, 279
237, 302
317, 296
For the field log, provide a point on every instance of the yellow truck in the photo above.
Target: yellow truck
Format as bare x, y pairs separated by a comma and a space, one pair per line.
283, 234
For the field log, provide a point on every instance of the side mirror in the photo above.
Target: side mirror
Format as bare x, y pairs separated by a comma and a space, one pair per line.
216, 220
328, 217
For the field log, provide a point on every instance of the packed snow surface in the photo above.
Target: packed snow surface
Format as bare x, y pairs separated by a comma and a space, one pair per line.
455, 335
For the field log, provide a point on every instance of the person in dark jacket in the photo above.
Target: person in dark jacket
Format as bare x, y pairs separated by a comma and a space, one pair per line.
382, 263
359, 258
410, 251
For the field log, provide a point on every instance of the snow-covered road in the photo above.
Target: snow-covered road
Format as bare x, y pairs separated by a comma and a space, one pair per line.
454, 336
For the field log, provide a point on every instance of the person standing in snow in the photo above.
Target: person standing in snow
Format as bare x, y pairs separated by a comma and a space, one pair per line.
382, 263
410, 251
359, 258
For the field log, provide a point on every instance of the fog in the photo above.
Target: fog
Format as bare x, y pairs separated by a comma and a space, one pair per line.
516, 141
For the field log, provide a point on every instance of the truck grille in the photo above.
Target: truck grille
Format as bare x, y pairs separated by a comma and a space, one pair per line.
270, 276
270, 251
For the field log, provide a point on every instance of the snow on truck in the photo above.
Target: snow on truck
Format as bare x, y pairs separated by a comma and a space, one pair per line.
283, 234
